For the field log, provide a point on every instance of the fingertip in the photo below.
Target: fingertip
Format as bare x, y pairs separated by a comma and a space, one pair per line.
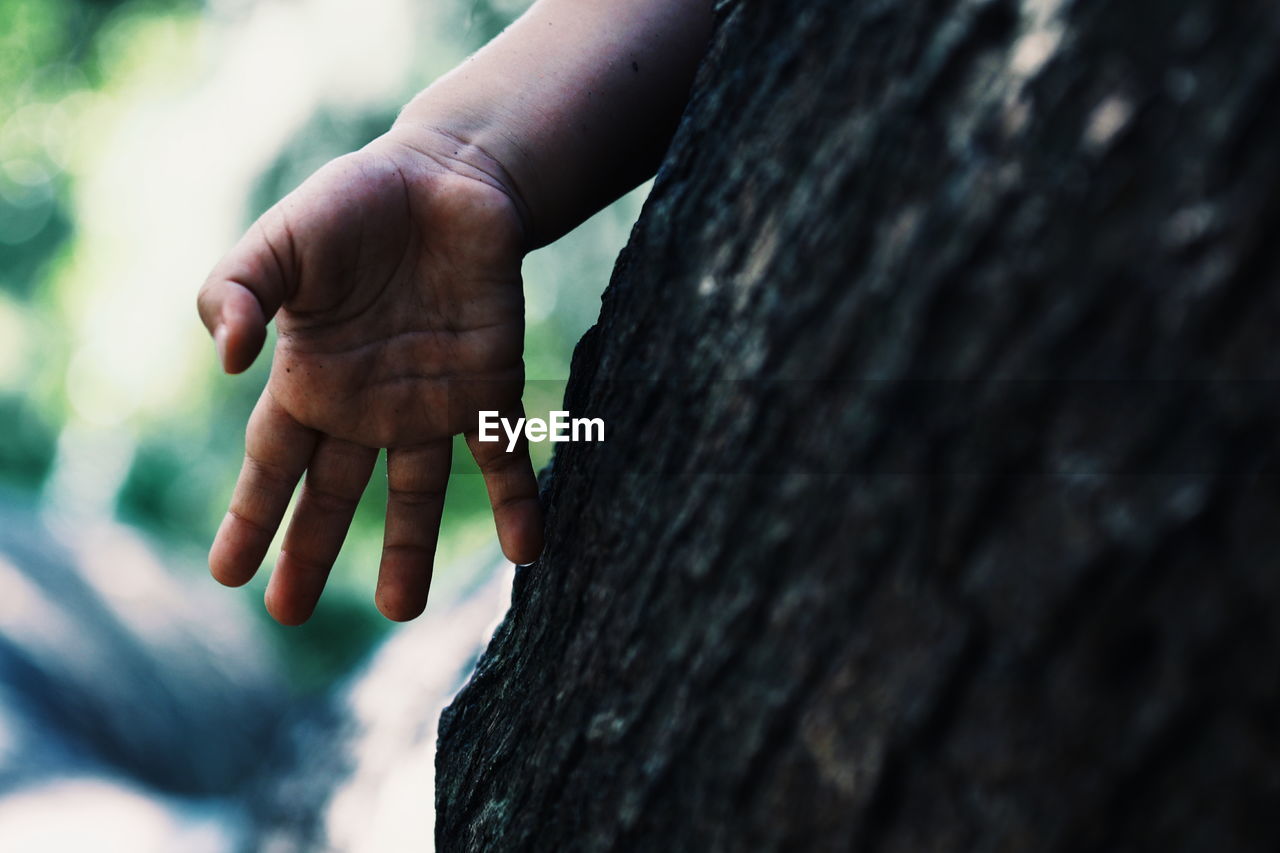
520, 532
243, 327
242, 348
220, 343
524, 557
397, 606
404, 583
285, 610
236, 320
227, 564
227, 576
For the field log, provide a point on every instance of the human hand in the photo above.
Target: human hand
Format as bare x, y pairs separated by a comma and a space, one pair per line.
393, 275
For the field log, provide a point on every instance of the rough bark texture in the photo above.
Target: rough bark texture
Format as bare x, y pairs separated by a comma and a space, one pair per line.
1005, 576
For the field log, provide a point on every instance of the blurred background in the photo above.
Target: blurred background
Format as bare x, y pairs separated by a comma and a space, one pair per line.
137, 140
142, 706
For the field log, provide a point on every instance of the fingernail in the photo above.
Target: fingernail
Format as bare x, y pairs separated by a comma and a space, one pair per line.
220, 343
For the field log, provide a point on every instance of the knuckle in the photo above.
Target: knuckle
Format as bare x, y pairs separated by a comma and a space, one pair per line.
262, 474
329, 500
416, 497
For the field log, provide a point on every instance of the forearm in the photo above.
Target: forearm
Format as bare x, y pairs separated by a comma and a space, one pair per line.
572, 105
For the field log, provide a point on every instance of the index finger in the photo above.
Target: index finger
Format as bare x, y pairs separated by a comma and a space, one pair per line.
277, 451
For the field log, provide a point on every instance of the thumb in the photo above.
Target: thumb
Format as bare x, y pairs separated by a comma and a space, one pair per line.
243, 293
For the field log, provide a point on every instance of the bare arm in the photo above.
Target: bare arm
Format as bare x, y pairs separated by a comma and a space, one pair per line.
576, 100
393, 276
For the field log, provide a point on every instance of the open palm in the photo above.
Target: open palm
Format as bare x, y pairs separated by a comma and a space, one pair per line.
393, 275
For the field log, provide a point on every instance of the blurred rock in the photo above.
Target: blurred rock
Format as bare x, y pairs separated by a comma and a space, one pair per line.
122, 683
359, 774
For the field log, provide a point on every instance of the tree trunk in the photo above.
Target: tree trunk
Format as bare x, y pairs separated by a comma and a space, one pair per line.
938, 509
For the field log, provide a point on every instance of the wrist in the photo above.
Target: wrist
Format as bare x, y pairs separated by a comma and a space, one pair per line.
465, 147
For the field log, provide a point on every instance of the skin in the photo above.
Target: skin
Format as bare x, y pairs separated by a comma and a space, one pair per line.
393, 277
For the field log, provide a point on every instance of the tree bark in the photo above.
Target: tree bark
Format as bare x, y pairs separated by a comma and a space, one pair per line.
938, 508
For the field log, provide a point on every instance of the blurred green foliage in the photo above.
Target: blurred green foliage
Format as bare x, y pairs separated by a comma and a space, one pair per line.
184, 461
47, 50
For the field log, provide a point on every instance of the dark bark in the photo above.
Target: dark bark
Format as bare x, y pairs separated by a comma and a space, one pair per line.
939, 506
